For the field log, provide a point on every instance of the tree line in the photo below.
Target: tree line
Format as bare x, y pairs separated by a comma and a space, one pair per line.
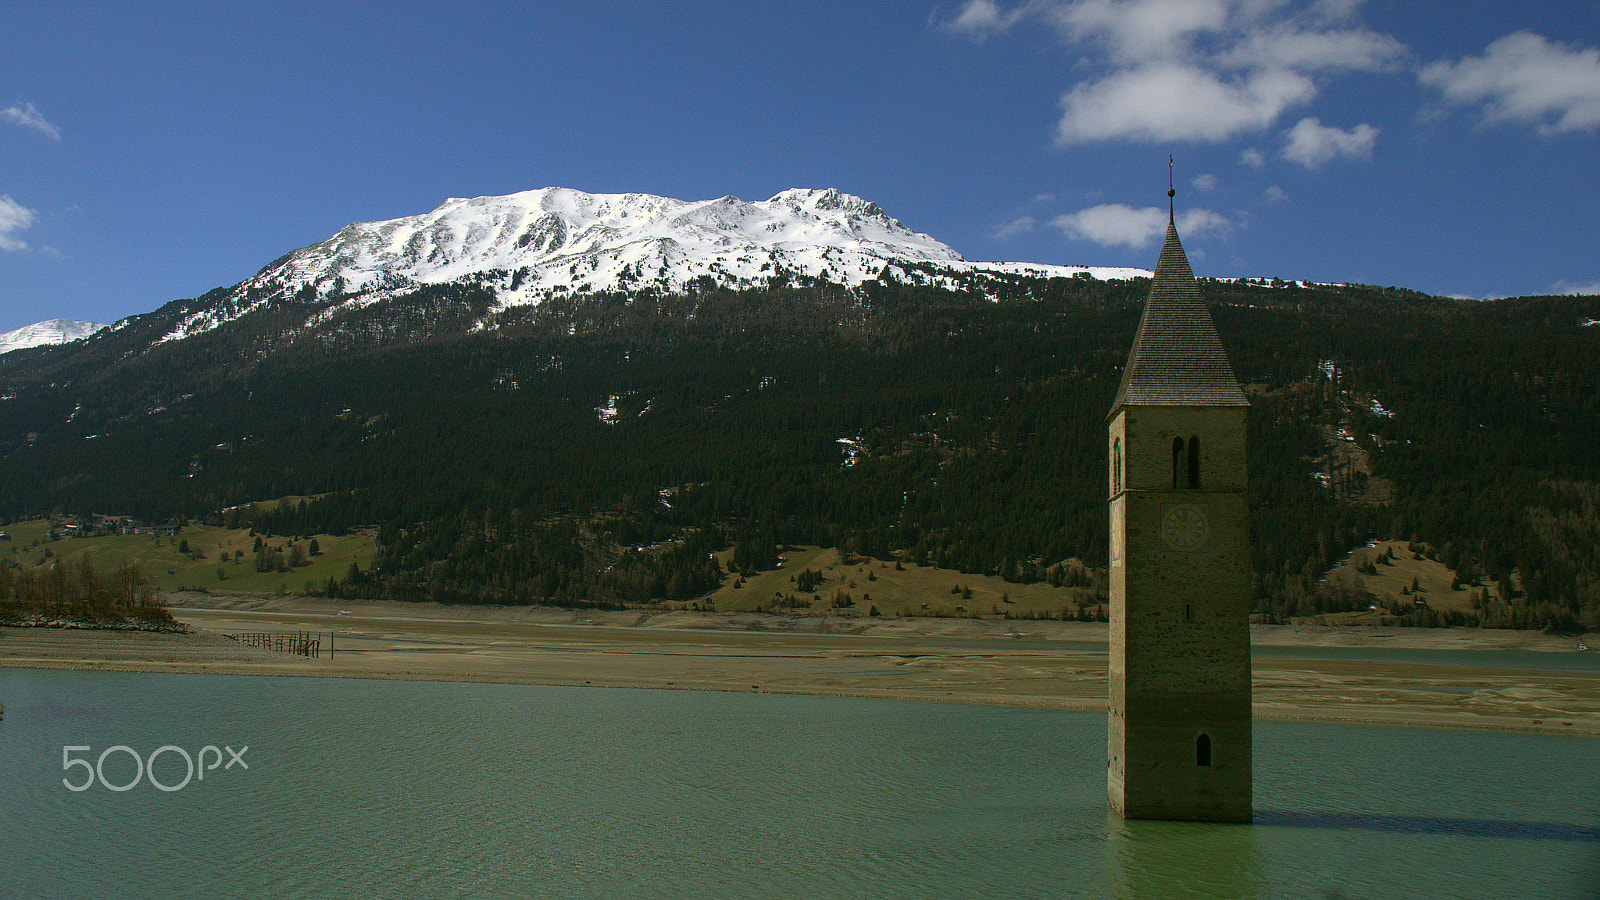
79, 590
961, 426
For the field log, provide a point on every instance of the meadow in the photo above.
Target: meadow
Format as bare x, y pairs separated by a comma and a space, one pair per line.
203, 557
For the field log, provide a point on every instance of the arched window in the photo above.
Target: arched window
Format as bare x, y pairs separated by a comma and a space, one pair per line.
1202, 750
1177, 463
1194, 464
1116, 466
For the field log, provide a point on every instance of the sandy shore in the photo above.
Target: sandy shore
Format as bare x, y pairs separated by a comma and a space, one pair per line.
1382, 676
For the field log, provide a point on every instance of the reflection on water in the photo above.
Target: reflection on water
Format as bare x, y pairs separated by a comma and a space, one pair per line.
1182, 859
403, 789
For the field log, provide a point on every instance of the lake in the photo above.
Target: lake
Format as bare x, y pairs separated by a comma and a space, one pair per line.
448, 789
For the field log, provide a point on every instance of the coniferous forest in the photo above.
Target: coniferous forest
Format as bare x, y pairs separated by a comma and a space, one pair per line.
596, 449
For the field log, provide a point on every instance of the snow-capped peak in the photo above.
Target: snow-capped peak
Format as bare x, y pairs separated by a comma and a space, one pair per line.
41, 334
568, 238
831, 199
557, 241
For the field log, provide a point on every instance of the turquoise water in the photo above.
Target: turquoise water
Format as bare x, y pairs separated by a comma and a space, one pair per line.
429, 789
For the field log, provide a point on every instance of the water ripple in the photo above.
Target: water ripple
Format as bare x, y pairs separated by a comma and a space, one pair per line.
1490, 828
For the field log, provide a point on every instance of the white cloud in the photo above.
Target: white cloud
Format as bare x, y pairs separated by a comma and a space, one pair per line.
1569, 287
1291, 47
1191, 70
1311, 144
1138, 31
981, 18
1114, 224
27, 116
1525, 78
1204, 182
13, 217
1252, 157
1275, 194
1170, 102
1019, 225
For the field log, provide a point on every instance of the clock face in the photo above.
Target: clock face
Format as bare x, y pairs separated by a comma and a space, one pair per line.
1184, 527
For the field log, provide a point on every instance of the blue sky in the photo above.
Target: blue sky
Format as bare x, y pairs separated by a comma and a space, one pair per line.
152, 151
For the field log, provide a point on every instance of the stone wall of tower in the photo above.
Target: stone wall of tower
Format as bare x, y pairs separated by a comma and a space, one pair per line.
1221, 431
1179, 641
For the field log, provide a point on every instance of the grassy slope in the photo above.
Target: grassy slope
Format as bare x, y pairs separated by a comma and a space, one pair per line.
204, 567
910, 591
1433, 579
913, 590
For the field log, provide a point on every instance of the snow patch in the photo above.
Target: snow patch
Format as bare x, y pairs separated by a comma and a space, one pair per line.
48, 333
852, 448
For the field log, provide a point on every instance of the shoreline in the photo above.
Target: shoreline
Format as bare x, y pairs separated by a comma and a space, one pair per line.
1019, 663
1299, 635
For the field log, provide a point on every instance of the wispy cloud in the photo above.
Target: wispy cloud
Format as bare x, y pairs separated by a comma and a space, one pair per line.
1204, 182
1019, 225
14, 217
26, 115
1310, 143
979, 19
1191, 70
1569, 287
1524, 78
1301, 49
1117, 224
1136, 31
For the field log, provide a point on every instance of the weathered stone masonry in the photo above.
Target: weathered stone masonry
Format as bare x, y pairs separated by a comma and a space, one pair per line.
1180, 721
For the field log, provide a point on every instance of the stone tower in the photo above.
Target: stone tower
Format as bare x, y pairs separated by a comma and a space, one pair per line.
1180, 731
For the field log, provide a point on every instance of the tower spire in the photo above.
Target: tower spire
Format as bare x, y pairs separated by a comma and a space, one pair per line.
1177, 357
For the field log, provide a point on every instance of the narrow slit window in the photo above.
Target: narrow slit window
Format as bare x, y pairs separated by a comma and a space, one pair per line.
1177, 463
1194, 464
1116, 466
1202, 750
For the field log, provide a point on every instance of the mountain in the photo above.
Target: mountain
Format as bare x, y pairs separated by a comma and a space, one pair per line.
42, 334
531, 246
560, 397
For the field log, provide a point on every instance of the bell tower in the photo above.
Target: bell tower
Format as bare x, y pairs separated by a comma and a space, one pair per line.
1180, 720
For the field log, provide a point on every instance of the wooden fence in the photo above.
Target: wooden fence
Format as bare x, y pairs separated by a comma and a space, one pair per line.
302, 643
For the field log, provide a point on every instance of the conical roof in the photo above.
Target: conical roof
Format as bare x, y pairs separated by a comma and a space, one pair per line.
1177, 358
